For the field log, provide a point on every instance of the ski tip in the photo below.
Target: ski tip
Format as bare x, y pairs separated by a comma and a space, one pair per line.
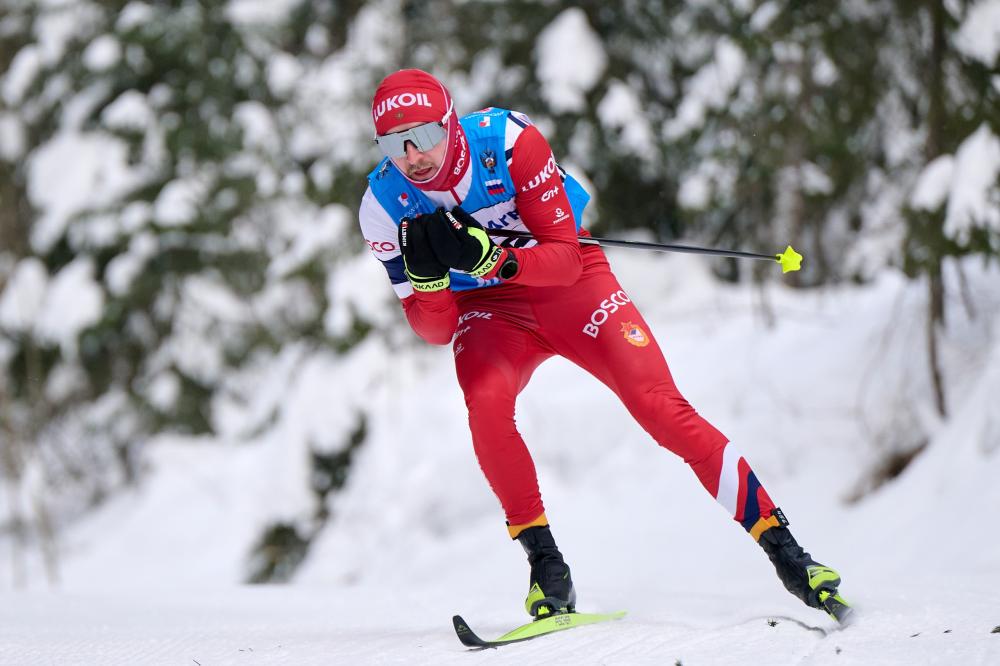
468, 637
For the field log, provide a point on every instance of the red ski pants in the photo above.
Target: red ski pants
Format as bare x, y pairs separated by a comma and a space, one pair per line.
504, 333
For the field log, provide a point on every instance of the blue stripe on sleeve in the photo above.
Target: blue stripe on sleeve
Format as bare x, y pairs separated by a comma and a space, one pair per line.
395, 268
751, 508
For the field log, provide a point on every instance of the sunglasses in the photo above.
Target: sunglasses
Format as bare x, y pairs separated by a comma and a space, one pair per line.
423, 137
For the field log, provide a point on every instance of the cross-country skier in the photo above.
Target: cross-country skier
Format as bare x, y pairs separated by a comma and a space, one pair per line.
507, 306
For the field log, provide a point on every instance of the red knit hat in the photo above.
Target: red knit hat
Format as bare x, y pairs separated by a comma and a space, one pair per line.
408, 96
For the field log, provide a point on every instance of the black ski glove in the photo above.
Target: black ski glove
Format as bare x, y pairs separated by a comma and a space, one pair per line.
422, 268
459, 241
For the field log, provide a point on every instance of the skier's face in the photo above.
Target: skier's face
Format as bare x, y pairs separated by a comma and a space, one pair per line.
417, 165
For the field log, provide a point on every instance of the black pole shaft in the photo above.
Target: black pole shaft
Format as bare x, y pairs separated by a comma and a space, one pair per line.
641, 245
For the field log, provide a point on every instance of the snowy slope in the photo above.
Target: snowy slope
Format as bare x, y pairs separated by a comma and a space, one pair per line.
416, 536
316, 626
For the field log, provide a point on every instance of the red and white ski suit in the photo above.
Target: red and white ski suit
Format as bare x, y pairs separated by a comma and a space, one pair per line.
563, 301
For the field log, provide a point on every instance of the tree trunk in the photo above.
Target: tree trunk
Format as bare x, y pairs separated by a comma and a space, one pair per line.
935, 121
13, 202
935, 302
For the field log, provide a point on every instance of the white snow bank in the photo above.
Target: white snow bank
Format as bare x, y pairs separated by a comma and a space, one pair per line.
416, 534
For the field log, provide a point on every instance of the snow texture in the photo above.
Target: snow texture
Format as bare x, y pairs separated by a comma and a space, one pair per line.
134, 15
979, 35
931, 190
708, 89
73, 302
570, 61
974, 199
21, 300
710, 178
764, 16
102, 53
621, 109
129, 111
20, 73
73, 173
154, 576
259, 11
12, 140
56, 310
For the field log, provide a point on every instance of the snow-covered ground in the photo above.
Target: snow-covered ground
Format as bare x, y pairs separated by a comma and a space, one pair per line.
317, 625
416, 536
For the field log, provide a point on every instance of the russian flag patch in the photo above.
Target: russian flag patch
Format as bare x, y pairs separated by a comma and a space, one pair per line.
495, 186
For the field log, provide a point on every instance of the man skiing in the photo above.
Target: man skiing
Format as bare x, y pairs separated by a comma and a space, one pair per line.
443, 185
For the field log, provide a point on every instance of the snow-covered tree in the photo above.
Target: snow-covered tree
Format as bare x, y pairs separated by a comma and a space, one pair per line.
171, 214
178, 183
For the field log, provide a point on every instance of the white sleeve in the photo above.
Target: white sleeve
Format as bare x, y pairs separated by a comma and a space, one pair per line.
381, 235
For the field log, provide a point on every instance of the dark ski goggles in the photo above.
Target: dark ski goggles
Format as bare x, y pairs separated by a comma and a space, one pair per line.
423, 137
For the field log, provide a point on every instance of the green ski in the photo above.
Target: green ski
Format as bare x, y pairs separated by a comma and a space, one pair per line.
541, 627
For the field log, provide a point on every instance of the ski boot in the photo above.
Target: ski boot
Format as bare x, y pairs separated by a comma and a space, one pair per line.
810, 581
550, 586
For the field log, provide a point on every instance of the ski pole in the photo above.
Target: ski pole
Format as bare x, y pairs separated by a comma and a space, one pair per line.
790, 260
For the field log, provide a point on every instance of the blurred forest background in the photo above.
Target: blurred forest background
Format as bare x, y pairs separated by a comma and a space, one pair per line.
179, 182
